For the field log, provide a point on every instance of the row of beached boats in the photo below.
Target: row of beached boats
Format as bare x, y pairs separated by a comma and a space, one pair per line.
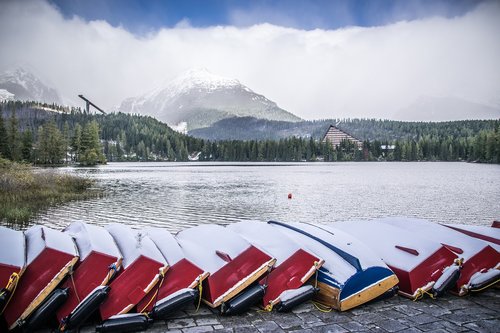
129, 278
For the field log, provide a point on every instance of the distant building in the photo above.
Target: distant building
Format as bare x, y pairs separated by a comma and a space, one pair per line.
386, 149
335, 136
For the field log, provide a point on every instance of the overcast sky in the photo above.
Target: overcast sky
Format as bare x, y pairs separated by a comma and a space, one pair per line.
316, 59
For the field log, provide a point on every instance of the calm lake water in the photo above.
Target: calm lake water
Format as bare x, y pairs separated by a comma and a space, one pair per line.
179, 195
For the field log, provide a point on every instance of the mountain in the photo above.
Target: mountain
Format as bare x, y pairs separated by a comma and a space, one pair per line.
427, 108
200, 98
24, 86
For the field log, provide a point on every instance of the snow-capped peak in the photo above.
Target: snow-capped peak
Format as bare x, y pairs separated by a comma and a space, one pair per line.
200, 98
202, 78
26, 86
199, 78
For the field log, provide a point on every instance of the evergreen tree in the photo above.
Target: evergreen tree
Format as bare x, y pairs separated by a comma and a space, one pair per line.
57, 147
42, 150
76, 142
50, 145
67, 141
123, 141
90, 145
398, 153
14, 142
497, 143
141, 151
3, 136
27, 146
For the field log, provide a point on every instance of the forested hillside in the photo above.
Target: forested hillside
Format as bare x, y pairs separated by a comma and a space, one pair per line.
50, 134
121, 136
247, 128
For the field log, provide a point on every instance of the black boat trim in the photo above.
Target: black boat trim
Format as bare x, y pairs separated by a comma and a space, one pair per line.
85, 309
440, 288
125, 323
167, 306
46, 309
244, 300
287, 305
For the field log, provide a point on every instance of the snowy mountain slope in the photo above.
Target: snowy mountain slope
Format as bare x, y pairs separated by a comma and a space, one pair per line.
201, 98
5, 95
27, 87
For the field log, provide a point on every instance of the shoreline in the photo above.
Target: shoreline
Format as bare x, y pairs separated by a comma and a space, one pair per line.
26, 191
472, 313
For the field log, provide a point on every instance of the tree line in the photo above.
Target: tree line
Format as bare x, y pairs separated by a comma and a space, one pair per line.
70, 135
48, 143
249, 128
482, 147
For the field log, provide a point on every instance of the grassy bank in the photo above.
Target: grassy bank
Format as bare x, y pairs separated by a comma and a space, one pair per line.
25, 191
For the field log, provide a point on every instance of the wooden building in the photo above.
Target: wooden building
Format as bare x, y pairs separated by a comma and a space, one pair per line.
335, 136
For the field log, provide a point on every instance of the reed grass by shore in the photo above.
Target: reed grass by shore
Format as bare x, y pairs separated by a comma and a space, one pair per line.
24, 191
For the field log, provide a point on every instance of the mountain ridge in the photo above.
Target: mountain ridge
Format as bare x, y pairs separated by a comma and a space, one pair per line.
201, 98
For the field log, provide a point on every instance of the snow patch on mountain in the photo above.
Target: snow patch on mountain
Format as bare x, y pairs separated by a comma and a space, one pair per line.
5, 95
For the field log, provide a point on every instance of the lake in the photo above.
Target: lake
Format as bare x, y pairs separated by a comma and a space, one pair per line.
179, 195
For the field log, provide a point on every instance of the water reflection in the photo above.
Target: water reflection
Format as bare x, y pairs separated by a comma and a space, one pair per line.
176, 196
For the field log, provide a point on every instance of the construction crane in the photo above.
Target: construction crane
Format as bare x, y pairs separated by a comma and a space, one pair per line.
89, 103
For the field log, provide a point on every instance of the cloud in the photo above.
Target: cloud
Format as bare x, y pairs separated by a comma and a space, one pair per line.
350, 72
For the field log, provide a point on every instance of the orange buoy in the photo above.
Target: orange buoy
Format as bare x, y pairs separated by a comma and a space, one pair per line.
289, 195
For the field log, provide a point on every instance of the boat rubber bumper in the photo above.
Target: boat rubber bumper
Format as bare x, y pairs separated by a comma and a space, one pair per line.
88, 306
46, 310
171, 305
243, 301
481, 280
125, 323
4, 296
306, 295
447, 280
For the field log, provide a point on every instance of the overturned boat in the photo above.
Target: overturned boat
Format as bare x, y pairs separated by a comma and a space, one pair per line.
51, 255
181, 284
481, 266
421, 265
143, 267
12, 263
487, 234
294, 266
100, 260
233, 263
351, 275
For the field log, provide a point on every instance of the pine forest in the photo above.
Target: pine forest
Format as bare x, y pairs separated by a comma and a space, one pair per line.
30, 132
